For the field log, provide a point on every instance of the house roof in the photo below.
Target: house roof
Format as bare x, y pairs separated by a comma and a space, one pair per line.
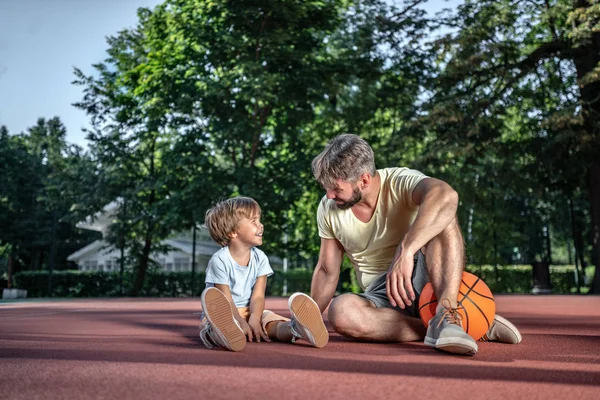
102, 219
183, 245
92, 247
186, 246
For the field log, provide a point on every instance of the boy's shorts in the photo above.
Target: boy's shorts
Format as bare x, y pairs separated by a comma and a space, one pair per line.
267, 317
376, 292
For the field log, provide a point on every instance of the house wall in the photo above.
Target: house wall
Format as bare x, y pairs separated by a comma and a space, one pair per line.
108, 261
178, 261
102, 260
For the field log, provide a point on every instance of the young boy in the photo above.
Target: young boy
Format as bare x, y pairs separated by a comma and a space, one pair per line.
236, 277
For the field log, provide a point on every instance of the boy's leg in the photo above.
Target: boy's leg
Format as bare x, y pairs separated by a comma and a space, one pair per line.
276, 327
220, 327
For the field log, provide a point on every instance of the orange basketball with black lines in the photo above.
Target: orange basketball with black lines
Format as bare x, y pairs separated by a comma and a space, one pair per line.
476, 305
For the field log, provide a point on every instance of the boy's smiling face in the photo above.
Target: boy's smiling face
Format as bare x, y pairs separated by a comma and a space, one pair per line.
249, 231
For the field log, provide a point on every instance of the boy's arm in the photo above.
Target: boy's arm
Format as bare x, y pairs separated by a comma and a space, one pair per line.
227, 292
327, 272
257, 306
257, 301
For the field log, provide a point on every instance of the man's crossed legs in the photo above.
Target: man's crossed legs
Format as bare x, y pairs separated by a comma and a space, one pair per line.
370, 316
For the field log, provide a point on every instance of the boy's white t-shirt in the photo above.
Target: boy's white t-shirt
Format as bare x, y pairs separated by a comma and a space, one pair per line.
371, 246
223, 270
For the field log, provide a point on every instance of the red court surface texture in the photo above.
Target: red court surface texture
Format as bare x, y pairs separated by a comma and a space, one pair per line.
149, 349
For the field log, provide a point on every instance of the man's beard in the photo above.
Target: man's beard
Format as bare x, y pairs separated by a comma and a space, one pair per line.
356, 197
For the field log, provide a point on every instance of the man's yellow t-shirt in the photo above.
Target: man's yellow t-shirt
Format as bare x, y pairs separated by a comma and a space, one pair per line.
371, 246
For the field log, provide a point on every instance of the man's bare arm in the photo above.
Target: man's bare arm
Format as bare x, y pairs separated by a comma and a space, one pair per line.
327, 272
437, 203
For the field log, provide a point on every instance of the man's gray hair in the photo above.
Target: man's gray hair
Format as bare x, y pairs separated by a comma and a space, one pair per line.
345, 157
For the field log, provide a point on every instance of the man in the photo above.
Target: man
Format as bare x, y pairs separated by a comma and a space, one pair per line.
399, 229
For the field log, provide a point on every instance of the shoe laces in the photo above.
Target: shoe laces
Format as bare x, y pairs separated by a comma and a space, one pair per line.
295, 334
205, 336
451, 314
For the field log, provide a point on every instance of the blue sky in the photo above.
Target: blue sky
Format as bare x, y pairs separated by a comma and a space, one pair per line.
40, 43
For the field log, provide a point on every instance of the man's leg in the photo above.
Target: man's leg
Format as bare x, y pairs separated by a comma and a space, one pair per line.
445, 261
357, 318
444, 257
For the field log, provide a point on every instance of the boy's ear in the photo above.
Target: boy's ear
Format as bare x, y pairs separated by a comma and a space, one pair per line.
232, 235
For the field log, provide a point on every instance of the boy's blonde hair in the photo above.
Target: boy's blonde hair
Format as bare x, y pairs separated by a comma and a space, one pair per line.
345, 157
224, 217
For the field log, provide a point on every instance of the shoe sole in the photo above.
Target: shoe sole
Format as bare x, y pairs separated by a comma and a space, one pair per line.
454, 346
306, 312
217, 310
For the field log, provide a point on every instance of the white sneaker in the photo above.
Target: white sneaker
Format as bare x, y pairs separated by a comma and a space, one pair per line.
503, 331
307, 321
221, 328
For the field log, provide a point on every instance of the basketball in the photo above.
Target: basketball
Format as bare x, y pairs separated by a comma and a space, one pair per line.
475, 304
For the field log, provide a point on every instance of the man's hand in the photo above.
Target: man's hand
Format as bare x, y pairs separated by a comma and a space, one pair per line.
256, 327
399, 280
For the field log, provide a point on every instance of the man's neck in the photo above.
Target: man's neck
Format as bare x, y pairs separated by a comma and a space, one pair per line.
370, 194
364, 209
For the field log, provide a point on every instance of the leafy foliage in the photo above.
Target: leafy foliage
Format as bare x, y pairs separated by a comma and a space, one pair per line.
204, 100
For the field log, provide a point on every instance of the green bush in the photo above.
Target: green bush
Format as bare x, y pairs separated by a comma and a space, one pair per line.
504, 279
298, 280
106, 284
519, 278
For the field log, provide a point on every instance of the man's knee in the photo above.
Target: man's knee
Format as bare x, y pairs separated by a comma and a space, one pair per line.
344, 312
339, 309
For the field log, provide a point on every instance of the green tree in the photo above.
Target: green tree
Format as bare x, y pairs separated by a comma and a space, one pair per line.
35, 206
18, 183
538, 60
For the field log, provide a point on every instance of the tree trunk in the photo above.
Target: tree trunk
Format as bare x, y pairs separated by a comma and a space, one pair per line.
122, 248
52, 253
586, 58
573, 230
594, 175
193, 283
140, 275
541, 278
11, 261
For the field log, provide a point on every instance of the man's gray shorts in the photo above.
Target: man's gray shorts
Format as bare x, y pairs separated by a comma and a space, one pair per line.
377, 294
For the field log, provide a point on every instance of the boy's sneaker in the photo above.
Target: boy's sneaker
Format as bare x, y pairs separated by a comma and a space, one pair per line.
307, 321
221, 328
445, 332
502, 330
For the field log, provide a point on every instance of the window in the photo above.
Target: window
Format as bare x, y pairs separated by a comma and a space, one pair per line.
181, 264
111, 265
